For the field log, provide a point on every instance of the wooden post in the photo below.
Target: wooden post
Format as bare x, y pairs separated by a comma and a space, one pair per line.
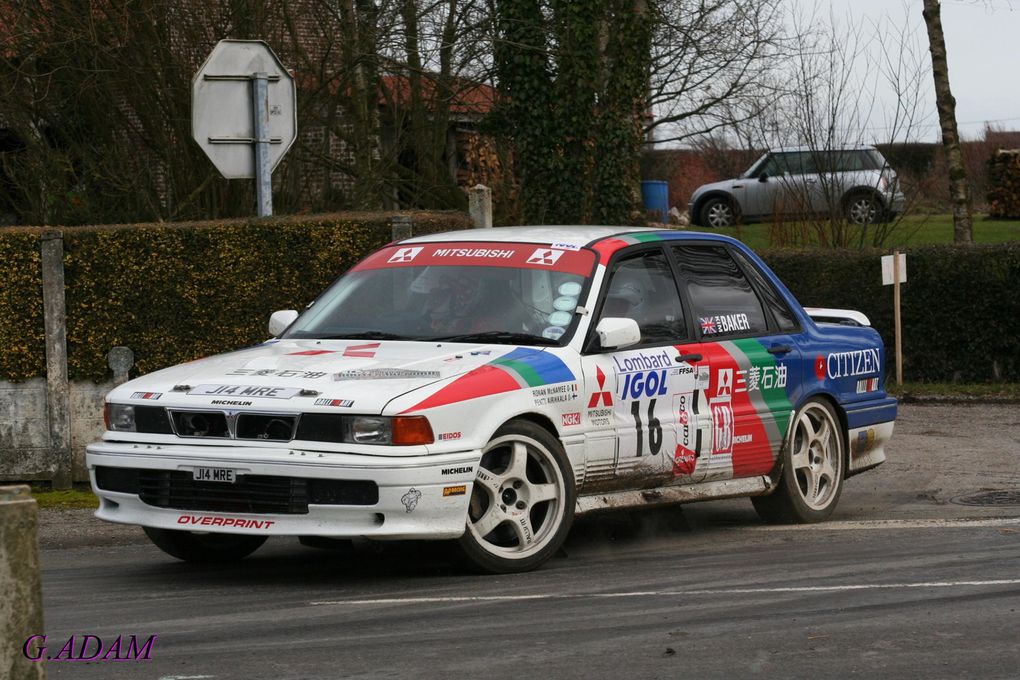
896, 316
58, 398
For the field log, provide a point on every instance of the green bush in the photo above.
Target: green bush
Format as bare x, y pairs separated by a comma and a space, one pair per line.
176, 292
960, 305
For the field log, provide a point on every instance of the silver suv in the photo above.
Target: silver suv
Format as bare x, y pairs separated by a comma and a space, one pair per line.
856, 182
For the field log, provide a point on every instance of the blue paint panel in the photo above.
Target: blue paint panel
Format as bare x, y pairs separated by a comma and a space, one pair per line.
548, 366
871, 412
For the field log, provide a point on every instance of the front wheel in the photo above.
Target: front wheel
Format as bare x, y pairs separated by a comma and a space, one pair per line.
718, 212
522, 503
191, 547
863, 209
813, 469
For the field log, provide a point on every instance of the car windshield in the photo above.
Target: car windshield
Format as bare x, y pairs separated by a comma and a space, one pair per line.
511, 293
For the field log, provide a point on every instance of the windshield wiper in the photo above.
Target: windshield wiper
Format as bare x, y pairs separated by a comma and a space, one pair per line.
367, 335
498, 337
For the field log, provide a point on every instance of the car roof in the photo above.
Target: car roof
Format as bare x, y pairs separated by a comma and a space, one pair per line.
568, 235
845, 147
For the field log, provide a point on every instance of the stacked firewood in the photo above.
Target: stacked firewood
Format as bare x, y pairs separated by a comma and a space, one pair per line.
1004, 184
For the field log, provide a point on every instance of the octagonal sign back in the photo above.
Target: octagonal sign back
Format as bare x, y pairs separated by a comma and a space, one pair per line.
222, 106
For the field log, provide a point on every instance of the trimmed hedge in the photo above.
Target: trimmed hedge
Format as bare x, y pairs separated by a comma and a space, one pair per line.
960, 305
176, 292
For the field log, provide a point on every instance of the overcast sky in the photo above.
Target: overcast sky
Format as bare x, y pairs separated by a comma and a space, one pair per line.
983, 48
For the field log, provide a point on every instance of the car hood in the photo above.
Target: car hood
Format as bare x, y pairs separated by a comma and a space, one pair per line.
724, 185
308, 375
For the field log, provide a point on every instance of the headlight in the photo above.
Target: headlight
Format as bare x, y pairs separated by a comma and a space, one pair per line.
120, 418
369, 430
398, 430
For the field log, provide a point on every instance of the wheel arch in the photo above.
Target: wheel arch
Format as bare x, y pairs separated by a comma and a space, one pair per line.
843, 423
700, 203
539, 419
861, 190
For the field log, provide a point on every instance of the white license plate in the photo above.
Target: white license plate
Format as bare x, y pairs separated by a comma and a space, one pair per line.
215, 475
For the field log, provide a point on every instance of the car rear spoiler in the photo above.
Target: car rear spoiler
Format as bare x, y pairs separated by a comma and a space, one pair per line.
845, 317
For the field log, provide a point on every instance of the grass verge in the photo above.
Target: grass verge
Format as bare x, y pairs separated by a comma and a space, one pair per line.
1000, 392
64, 500
912, 230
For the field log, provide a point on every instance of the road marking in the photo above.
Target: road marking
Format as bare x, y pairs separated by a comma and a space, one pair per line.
185, 677
671, 593
960, 523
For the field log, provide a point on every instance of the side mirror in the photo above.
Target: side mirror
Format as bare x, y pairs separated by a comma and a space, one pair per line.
279, 321
763, 177
617, 332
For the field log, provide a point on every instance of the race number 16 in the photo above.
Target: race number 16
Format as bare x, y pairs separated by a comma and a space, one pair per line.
654, 428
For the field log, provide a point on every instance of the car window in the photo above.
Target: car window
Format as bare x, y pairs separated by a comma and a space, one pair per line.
723, 303
641, 287
526, 293
784, 318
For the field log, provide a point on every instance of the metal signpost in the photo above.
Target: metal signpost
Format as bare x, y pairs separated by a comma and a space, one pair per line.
244, 113
894, 272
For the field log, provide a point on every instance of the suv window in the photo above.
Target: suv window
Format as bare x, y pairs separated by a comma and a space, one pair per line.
641, 287
784, 318
722, 300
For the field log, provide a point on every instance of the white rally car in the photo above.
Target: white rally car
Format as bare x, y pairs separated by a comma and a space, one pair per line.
489, 385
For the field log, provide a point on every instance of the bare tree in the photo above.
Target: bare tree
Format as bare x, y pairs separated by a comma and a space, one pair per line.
959, 189
825, 98
713, 64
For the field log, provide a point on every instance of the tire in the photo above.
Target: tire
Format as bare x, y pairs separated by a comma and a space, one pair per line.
207, 548
717, 213
814, 466
522, 503
863, 209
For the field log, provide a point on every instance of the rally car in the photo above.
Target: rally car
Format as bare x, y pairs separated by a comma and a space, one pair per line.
488, 386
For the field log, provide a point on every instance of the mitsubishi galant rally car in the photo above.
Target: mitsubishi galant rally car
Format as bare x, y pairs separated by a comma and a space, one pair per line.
488, 386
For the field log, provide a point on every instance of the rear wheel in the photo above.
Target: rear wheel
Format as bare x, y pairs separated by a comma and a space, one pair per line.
813, 469
191, 547
522, 503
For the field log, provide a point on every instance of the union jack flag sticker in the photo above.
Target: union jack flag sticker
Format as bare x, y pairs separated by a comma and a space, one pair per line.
707, 324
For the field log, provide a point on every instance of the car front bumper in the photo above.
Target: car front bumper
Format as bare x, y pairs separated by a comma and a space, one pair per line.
420, 497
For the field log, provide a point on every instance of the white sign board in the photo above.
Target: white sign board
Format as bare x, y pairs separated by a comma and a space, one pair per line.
887, 269
222, 109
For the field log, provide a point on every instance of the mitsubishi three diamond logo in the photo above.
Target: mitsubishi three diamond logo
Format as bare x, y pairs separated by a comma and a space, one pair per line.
405, 254
545, 256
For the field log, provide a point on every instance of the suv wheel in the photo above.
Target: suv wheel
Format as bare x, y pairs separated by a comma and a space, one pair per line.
718, 212
863, 209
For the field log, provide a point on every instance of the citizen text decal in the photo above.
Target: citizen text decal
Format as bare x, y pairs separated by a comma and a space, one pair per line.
858, 362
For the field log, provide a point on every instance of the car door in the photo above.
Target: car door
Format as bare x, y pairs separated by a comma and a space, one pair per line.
751, 358
637, 396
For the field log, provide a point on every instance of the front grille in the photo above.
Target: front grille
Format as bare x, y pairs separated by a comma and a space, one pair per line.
178, 489
269, 427
250, 493
200, 424
266, 427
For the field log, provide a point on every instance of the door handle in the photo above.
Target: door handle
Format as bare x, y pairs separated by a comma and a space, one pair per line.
689, 358
780, 349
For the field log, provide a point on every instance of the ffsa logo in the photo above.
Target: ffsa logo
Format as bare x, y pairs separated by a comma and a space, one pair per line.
405, 255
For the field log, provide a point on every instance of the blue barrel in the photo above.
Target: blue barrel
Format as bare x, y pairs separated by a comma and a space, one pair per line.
655, 196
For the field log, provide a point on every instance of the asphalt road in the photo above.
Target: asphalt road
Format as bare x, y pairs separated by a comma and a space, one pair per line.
905, 582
